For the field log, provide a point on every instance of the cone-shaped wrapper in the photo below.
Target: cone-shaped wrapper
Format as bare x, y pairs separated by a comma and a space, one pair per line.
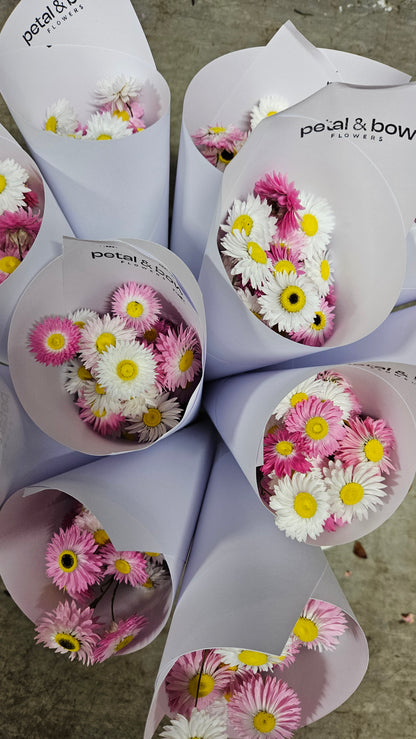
241, 408
245, 588
148, 502
85, 277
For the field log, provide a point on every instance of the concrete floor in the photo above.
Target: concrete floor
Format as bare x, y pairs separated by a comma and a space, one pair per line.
42, 696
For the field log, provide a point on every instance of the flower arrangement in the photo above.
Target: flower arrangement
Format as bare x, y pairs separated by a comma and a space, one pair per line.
118, 112
325, 462
130, 371
20, 216
222, 693
95, 578
275, 250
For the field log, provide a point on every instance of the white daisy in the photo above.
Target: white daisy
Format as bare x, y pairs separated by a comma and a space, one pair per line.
339, 396
289, 301
249, 300
118, 91
12, 185
251, 217
301, 506
76, 376
252, 262
319, 268
88, 522
267, 106
247, 659
126, 370
157, 577
82, 315
60, 118
317, 220
100, 333
353, 491
302, 391
201, 724
99, 401
104, 126
158, 418
134, 407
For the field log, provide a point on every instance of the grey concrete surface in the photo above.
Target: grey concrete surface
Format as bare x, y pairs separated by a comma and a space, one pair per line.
43, 696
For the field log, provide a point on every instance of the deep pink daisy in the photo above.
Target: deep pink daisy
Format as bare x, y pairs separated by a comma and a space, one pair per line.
105, 423
320, 329
319, 625
197, 678
284, 260
318, 423
180, 357
284, 453
69, 630
72, 561
127, 567
19, 229
119, 637
54, 340
368, 440
137, 304
333, 523
31, 199
264, 707
284, 199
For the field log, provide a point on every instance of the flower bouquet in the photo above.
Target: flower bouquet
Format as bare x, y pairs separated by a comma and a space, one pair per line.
94, 559
113, 89
115, 344
330, 456
284, 648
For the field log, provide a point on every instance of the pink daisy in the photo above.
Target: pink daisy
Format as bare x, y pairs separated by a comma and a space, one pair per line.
264, 707
295, 241
19, 229
72, 561
196, 679
98, 334
69, 630
127, 567
104, 422
119, 637
54, 340
31, 199
288, 654
318, 423
218, 137
180, 354
284, 199
333, 523
320, 329
137, 304
368, 440
284, 260
319, 625
284, 453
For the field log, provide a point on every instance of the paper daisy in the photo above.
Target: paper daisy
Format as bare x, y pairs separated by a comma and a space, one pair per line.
320, 329
69, 630
369, 440
218, 137
251, 217
320, 625
288, 302
72, 561
82, 315
98, 334
157, 577
118, 92
19, 230
127, 567
8, 264
138, 305
60, 118
353, 491
126, 370
180, 353
199, 725
318, 424
13, 180
284, 199
119, 637
250, 300
300, 505
302, 391
267, 106
283, 260
99, 400
157, 419
319, 269
317, 220
264, 708
134, 407
76, 376
249, 660
54, 340
86, 521
295, 241
288, 654
104, 126
196, 676
283, 454
105, 423
250, 255
341, 394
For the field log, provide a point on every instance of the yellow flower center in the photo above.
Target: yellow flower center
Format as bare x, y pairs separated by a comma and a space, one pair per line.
51, 124
99, 414
127, 370
292, 299
152, 417
123, 643
67, 641
351, 493
284, 265
9, 264
217, 129
122, 566
256, 252
206, 685
373, 450
150, 335
105, 340
243, 223
271, 112
309, 224
152, 554
148, 584
84, 374
134, 309
252, 659
55, 342
284, 448
101, 537
67, 560
316, 428
103, 137
305, 505
123, 114
264, 722
305, 629
297, 398
186, 360
319, 322
99, 389
3, 182
325, 270
80, 324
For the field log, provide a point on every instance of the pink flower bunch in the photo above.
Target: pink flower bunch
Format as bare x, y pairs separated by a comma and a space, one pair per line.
219, 144
19, 227
95, 578
131, 371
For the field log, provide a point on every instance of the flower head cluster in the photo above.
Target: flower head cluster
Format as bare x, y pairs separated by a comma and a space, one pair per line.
324, 461
274, 246
118, 112
130, 371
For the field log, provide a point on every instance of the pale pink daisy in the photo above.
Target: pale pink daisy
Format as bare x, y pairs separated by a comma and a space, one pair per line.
284, 260
98, 334
120, 636
218, 137
19, 229
69, 630
54, 340
295, 241
86, 521
318, 423
353, 490
288, 654
180, 357
247, 659
127, 567
264, 707
300, 504
72, 561
320, 625
283, 453
283, 198
105, 423
318, 331
196, 679
117, 92
199, 725
370, 440
137, 304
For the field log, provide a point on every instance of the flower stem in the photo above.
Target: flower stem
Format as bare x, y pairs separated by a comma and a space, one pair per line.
112, 601
204, 656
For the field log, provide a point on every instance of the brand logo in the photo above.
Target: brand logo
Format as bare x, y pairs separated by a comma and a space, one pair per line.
359, 128
144, 264
52, 17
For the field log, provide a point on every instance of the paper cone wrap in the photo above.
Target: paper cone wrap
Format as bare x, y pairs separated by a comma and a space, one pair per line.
240, 408
235, 595
85, 276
